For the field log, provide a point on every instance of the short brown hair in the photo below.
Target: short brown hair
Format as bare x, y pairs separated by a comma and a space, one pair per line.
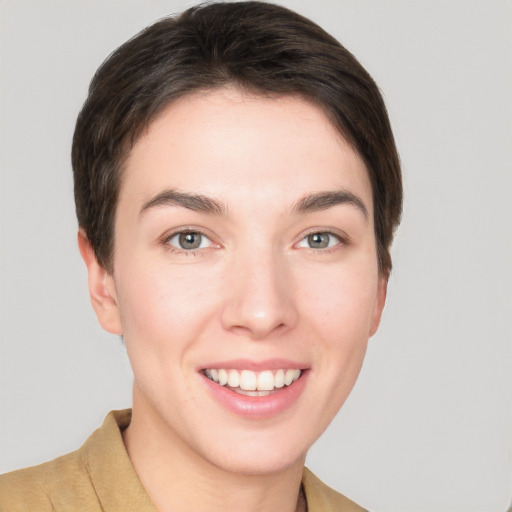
259, 47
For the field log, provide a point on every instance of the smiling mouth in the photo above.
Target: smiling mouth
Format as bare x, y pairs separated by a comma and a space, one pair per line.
249, 383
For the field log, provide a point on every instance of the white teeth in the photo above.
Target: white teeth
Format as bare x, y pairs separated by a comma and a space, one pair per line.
290, 376
265, 381
223, 377
248, 380
251, 383
233, 379
279, 379
252, 393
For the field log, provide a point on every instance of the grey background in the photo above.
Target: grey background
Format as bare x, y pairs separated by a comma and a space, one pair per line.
428, 426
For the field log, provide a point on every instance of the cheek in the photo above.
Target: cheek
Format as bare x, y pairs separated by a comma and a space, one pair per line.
340, 313
164, 307
342, 308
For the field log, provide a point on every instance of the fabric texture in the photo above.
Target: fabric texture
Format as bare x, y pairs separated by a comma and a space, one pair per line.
99, 477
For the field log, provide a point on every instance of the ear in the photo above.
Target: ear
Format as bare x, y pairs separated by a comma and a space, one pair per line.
380, 300
102, 288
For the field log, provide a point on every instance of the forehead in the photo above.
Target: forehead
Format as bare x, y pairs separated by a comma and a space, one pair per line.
225, 141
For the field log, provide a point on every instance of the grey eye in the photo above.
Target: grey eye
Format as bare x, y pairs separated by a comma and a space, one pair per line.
189, 240
320, 240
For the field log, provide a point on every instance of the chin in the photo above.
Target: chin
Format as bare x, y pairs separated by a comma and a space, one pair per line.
253, 461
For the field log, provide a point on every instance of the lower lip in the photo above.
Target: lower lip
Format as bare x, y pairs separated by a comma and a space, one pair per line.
258, 407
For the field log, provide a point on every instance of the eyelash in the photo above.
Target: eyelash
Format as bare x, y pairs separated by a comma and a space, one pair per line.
181, 251
341, 240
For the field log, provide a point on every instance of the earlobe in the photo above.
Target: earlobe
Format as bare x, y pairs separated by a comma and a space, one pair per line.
380, 301
102, 289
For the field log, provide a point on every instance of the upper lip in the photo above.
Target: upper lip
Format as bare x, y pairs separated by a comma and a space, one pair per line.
248, 364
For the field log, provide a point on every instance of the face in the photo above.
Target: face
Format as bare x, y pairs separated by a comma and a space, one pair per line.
245, 278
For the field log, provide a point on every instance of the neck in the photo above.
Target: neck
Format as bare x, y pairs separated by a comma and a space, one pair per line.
177, 478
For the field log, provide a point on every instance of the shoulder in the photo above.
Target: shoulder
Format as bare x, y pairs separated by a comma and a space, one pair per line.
94, 478
61, 484
321, 498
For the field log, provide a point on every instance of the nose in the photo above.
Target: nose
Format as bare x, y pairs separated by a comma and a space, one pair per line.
259, 298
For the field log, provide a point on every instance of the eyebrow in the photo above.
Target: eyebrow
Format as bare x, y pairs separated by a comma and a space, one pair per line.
199, 203
195, 202
324, 200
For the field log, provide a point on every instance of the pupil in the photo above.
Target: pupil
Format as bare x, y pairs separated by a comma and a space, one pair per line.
318, 240
190, 240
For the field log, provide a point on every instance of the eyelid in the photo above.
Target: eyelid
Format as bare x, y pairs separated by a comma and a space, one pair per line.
340, 235
165, 239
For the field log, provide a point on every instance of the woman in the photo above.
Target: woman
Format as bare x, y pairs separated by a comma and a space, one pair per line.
237, 188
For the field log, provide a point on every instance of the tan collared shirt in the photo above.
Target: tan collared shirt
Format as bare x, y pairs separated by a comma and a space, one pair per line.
99, 477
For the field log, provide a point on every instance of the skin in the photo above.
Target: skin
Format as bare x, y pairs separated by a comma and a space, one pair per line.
255, 290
